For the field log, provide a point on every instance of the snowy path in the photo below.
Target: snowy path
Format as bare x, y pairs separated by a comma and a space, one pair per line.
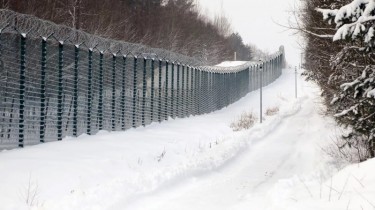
193, 163
292, 148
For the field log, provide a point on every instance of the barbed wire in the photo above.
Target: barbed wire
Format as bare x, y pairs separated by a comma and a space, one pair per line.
35, 28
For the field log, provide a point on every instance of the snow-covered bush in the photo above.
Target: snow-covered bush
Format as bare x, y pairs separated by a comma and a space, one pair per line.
342, 153
272, 111
245, 121
354, 71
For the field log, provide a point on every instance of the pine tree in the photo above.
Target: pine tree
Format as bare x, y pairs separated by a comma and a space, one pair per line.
355, 64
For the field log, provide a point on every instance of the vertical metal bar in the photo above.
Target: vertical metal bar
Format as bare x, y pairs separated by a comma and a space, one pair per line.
200, 91
166, 91
100, 104
249, 80
261, 94
89, 93
275, 69
232, 87
182, 104
21, 125
123, 93
226, 89
192, 86
229, 88
210, 94
152, 88
267, 69
160, 83
239, 82
236, 83
144, 92
178, 90
60, 92
263, 72
113, 104
214, 91
42, 124
172, 92
196, 92
187, 92
220, 81
222, 89
75, 92
134, 91
204, 91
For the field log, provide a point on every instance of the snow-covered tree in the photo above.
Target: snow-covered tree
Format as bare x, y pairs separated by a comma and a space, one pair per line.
355, 68
354, 21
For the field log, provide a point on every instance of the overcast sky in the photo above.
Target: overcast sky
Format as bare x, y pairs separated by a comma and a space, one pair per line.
255, 21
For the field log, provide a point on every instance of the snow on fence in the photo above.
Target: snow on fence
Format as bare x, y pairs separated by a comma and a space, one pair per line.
56, 81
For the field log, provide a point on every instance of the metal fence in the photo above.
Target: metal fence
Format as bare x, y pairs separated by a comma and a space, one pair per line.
57, 82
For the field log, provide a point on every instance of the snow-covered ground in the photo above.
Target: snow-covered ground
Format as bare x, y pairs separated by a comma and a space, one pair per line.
195, 163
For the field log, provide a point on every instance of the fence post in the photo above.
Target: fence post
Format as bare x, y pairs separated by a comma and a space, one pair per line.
214, 90
249, 80
197, 91
201, 91
75, 91
172, 91
100, 104
209, 85
187, 91
204, 91
123, 93
144, 91
192, 86
152, 88
227, 88
134, 90
160, 83
221, 88
21, 125
60, 92
261, 94
42, 124
166, 90
182, 110
113, 106
178, 90
89, 94
264, 73
252, 78
211, 94
274, 69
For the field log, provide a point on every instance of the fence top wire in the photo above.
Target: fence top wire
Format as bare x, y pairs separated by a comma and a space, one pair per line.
36, 28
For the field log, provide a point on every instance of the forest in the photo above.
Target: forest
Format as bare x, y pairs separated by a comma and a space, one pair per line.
344, 70
176, 25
